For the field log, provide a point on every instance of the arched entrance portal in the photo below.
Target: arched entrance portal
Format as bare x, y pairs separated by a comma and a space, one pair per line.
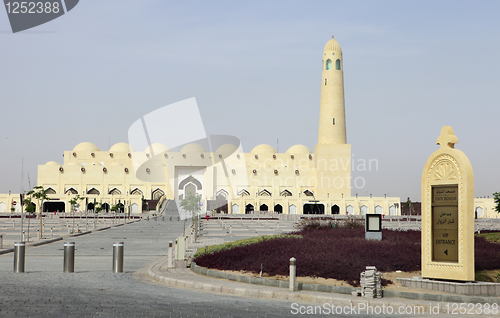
105, 207
310, 208
278, 208
248, 209
335, 209
264, 208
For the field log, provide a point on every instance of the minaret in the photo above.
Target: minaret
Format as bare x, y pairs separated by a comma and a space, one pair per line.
332, 107
332, 154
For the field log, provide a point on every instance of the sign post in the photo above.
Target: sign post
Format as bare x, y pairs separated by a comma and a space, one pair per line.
448, 212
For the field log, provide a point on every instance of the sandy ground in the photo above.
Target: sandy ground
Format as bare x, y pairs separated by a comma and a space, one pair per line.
318, 280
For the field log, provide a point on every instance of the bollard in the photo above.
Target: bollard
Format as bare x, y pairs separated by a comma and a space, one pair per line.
38, 234
293, 271
24, 234
51, 232
230, 229
1, 241
19, 249
170, 263
118, 257
69, 257
170, 218
69, 229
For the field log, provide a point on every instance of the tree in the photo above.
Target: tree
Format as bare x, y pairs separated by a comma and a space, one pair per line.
74, 205
40, 195
496, 199
191, 203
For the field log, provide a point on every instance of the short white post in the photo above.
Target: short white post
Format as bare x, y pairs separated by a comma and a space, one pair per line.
230, 229
13, 224
170, 263
38, 234
24, 234
293, 272
1, 241
69, 229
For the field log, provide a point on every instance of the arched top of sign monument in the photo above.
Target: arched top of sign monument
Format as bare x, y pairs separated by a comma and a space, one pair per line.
447, 138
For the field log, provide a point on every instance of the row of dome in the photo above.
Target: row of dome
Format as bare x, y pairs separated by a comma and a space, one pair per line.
189, 148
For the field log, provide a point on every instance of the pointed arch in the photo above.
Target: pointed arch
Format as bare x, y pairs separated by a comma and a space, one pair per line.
337, 64
379, 210
286, 193
235, 209
157, 194
189, 189
105, 207
349, 210
115, 191
136, 191
278, 208
364, 210
50, 190
223, 193
264, 207
308, 193
328, 65
190, 179
71, 190
265, 193
244, 193
3, 207
93, 191
335, 209
393, 210
292, 209
249, 208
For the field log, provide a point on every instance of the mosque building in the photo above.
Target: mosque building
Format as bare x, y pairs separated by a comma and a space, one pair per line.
298, 181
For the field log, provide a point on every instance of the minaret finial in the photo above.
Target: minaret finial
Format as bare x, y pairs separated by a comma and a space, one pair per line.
332, 36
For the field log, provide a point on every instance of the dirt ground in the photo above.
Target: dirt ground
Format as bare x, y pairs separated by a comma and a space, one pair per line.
318, 280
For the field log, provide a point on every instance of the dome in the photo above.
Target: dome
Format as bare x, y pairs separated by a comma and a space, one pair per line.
52, 163
263, 149
332, 45
192, 148
156, 149
121, 147
226, 150
298, 149
86, 146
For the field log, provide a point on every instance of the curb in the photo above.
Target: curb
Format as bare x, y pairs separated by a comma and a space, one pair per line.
341, 289
11, 250
428, 306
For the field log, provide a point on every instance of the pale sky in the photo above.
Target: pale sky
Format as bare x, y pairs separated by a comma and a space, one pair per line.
254, 67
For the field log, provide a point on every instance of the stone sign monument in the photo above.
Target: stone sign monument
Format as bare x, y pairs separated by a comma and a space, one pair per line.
448, 212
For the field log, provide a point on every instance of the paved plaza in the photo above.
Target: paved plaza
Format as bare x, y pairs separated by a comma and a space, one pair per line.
94, 291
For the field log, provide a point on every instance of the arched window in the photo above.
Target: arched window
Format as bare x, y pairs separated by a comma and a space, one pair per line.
328, 65
337, 64
115, 191
136, 191
157, 194
286, 193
